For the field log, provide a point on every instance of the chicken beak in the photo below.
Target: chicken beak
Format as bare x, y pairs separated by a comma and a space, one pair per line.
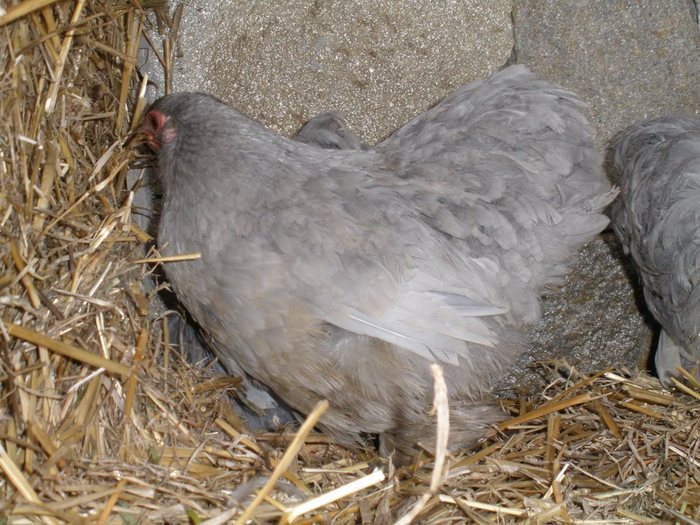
148, 135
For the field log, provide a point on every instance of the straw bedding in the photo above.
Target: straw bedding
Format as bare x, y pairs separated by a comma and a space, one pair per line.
101, 421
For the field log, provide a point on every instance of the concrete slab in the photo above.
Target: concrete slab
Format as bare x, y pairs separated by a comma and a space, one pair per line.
629, 59
380, 62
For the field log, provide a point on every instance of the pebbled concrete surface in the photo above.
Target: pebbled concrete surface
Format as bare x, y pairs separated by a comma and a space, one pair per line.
380, 63
596, 319
629, 59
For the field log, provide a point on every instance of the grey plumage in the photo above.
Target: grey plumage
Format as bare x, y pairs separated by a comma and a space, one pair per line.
343, 274
657, 219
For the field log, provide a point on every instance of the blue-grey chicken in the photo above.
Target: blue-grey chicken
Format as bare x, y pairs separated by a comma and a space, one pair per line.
657, 219
343, 274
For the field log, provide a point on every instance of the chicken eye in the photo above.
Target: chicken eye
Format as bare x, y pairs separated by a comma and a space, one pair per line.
154, 120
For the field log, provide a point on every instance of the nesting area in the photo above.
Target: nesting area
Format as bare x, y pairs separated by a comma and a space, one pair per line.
102, 421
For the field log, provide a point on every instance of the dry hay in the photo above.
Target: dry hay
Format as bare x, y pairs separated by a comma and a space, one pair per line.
101, 422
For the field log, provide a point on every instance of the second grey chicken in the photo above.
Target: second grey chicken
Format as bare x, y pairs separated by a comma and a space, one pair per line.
657, 219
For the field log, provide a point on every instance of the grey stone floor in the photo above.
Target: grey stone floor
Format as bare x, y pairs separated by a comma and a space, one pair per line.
380, 63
